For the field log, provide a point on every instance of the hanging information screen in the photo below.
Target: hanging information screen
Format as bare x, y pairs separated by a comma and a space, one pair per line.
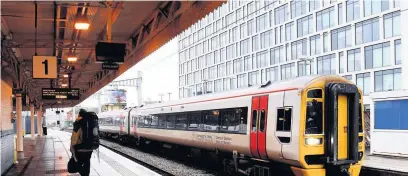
60, 94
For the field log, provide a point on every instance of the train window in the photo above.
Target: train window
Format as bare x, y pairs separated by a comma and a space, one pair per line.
234, 120
315, 93
181, 121
140, 123
148, 120
254, 119
195, 120
170, 121
284, 119
162, 121
360, 119
211, 120
262, 121
314, 117
154, 121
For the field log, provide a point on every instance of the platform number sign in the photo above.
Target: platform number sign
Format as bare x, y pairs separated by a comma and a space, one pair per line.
45, 67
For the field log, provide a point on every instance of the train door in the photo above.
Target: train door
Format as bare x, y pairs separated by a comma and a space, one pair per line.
121, 122
342, 119
258, 126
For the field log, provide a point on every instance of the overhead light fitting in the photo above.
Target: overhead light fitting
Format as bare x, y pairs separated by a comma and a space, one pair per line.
82, 23
64, 85
72, 57
65, 75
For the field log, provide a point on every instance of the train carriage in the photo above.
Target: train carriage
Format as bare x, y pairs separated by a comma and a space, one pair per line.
312, 124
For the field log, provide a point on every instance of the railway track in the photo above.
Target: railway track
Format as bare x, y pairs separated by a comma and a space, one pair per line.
147, 165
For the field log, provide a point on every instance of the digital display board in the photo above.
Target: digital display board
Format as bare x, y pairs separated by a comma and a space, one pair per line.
114, 97
110, 52
60, 94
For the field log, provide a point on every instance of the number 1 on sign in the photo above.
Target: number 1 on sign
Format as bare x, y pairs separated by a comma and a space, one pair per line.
45, 66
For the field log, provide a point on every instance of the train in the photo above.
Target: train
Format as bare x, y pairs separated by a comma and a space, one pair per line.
310, 125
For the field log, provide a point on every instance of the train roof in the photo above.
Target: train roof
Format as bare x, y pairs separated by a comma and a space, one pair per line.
289, 84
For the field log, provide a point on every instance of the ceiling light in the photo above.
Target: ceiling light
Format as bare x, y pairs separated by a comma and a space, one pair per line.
65, 75
82, 23
72, 57
64, 85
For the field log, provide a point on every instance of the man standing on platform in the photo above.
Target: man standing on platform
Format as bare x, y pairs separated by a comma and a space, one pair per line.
80, 150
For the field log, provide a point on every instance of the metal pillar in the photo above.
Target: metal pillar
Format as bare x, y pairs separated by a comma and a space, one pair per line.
32, 121
19, 126
109, 22
139, 87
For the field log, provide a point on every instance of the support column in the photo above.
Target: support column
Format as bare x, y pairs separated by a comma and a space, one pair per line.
39, 115
32, 121
19, 126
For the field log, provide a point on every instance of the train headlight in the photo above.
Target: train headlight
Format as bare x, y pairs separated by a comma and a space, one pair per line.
313, 141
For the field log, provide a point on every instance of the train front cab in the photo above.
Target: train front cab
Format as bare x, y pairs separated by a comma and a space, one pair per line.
332, 139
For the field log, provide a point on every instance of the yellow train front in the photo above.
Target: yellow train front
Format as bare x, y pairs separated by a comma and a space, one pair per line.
332, 140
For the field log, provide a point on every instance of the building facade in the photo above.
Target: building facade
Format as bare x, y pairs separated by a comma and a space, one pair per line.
248, 43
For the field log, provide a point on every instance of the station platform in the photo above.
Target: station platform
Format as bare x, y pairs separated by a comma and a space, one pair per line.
386, 163
49, 155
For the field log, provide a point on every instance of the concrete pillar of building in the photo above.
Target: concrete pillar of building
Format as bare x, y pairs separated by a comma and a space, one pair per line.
32, 121
139, 88
19, 126
404, 44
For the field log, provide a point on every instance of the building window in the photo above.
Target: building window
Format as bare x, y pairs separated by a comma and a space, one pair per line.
353, 10
314, 5
397, 51
266, 39
254, 78
298, 7
243, 31
279, 35
218, 85
340, 14
288, 71
197, 76
255, 43
229, 19
392, 24
262, 58
305, 68
299, 48
231, 51
290, 31
234, 34
397, 3
221, 70
245, 47
375, 6
341, 38
363, 81
315, 45
326, 42
238, 66
280, 14
326, 64
223, 39
240, 15
201, 62
251, 27
342, 62
242, 80
272, 74
209, 59
348, 77
305, 26
182, 81
214, 42
388, 80
251, 9
277, 55
377, 55
325, 18
248, 62
261, 23
353, 60
367, 31
229, 68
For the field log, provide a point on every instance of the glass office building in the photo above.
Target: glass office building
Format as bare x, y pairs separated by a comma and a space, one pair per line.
247, 43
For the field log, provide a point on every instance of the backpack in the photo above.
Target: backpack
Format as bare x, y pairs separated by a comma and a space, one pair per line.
90, 131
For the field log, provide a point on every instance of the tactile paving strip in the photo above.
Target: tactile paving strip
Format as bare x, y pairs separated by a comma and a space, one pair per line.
60, 171
118, 167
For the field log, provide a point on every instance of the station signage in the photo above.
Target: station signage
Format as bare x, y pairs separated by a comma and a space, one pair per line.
110, 66
44, 67
60, 94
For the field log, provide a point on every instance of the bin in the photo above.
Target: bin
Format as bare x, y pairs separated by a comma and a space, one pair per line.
45, 130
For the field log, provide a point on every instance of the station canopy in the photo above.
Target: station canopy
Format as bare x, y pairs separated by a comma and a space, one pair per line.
42, 39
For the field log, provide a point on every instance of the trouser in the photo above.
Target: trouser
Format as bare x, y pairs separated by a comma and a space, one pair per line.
84, 158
